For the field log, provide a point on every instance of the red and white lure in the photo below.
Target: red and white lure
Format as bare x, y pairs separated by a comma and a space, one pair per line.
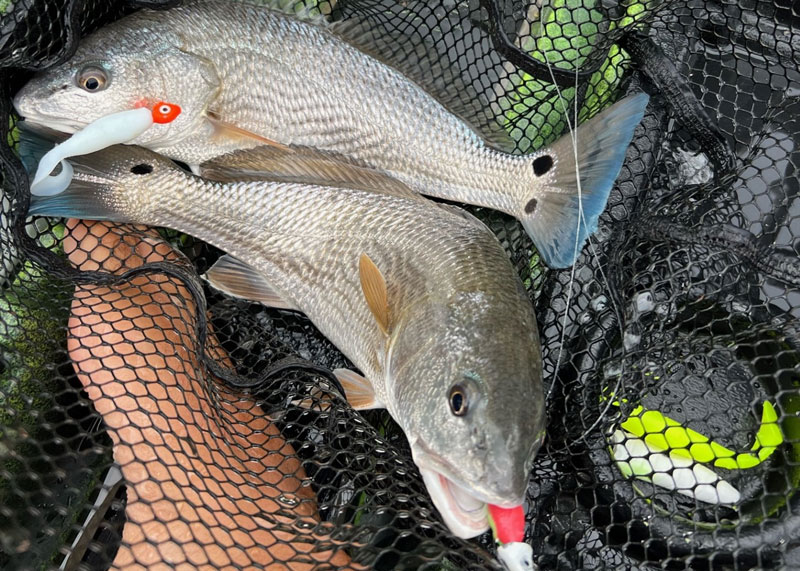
114, 129
508, 528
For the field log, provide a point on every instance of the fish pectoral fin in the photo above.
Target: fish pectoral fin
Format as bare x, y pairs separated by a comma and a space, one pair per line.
303, 165
373, 285
234, 277
358, 390
229, 131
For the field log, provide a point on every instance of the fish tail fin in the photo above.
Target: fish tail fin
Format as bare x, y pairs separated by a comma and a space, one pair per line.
82, 199
76, 201
552, 216
32, 147
90, 194
94, 190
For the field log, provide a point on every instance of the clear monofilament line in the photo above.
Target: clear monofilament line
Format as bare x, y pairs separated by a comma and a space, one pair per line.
572, 127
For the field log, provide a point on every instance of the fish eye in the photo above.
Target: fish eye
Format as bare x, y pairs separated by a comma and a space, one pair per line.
459, 403
143, 168
93, 79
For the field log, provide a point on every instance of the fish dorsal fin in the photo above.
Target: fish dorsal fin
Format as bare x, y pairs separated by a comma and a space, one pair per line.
358, 390
374, 287
241, 280
413, 57
302, 165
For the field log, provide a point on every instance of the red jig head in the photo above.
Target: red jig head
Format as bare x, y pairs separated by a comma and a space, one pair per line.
508, 525
164, 112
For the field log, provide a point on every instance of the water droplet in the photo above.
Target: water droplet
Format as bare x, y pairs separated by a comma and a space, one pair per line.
738, 307
644, 302
612, 370
288, 500
631, 340
599, 303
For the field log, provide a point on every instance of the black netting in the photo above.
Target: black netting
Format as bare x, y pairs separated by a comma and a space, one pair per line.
148, 419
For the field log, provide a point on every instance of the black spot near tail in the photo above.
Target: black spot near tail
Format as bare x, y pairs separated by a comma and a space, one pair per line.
143, 168
542, 165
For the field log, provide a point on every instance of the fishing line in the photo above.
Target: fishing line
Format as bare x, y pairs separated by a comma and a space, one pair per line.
581, 219
572, 271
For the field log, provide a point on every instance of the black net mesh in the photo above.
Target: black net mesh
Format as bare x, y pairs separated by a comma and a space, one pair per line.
148, 420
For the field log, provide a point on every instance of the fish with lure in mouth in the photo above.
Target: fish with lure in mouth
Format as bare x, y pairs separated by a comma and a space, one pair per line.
420, 297
246, 75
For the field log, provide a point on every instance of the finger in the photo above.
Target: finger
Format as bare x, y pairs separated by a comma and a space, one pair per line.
201, 463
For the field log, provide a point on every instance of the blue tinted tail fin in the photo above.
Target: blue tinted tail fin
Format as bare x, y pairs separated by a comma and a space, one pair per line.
551, 217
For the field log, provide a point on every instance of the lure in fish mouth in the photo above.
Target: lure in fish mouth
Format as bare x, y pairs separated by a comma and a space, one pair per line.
464, 513
112, 129
465, 508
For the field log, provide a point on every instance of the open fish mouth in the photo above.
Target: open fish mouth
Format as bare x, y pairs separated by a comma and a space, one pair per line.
464, 513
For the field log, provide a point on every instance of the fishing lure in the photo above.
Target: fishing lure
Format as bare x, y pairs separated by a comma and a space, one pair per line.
516, 556
114, 129
508, 528
165, 112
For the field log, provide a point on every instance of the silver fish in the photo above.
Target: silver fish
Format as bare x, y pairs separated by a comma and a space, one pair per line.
245, 75
420, 297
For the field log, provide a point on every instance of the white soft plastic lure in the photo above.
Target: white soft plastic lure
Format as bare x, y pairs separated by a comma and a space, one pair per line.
516, 556
117, 128
508, 529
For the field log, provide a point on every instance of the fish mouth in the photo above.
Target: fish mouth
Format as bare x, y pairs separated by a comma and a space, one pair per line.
52, 126
465, 514
463, 507
44, 124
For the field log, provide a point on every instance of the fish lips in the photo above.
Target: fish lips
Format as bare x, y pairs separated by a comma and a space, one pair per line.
50, 127
464, 510
465, 515
41, 122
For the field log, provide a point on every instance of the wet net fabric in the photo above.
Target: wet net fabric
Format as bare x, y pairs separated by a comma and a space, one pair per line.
146, 419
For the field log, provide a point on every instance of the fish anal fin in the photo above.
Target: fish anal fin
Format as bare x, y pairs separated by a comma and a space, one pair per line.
373, 285
241, 280
358, 390
226, 130
302, 165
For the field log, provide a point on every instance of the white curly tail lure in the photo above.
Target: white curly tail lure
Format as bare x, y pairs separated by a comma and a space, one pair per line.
114, 129
508, 528
516, 556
